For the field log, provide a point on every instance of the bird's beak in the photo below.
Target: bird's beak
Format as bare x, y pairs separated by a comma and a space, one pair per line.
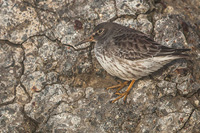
89, 39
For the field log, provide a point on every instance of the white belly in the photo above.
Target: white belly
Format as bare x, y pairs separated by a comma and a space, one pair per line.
114, 68
132, 69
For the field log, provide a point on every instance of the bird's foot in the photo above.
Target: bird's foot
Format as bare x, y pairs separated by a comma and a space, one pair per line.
119, 86
125, 94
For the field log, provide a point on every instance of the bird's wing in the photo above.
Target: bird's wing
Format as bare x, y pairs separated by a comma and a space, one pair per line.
137, 45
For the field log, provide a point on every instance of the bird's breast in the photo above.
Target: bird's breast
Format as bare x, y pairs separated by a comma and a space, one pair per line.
114, 66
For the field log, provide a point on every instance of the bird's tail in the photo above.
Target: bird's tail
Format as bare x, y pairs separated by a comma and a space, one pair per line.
182, 50
179, 53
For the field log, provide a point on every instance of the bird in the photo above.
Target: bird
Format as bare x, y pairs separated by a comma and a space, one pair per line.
129, 54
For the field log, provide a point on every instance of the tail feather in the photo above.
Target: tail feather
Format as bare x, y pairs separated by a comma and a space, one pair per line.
178, 52
182, 50
174, 52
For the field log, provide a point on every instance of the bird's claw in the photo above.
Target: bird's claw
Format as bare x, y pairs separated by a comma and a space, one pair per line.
125, 94
119, 86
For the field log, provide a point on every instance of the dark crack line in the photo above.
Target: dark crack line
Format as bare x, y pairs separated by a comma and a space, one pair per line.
57, 41
69, 103
11, 101
22, 62
40, 125
186, 121
24, 88
18, 45
192, 94
8, 102
24, 57
53, 40
2, 41
30, 37
173, 112
22, 69
22, 65
50, 111
12, 64
32, 122
46, 85
22, 73
35, 6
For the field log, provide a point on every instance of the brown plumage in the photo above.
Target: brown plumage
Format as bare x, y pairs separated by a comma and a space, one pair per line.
129, 54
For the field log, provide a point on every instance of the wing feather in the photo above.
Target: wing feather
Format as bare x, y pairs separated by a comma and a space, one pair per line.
136, 45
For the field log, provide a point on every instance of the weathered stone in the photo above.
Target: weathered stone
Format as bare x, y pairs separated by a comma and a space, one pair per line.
141, 23
34, 82
167, 88
48, 86
167, 32
11, 119
21, 95
173, 114
50, 96
10, 70
132, 7
193, 123
17, 24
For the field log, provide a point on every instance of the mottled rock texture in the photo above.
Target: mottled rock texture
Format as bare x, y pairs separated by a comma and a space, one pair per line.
48, 86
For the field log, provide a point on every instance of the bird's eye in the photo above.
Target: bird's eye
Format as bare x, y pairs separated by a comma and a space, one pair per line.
100, 31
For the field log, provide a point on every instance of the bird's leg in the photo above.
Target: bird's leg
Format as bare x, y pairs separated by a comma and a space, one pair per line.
120, 85
125, 94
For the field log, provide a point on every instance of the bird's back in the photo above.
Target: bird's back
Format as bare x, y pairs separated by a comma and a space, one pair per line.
130, 54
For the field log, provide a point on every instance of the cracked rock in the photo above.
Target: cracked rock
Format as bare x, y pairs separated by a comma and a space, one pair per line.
43, 102
11, 119
141, 23
193, 123
34, 82
18, 21
10, 71
167, 88
167, 32
173, 114
132, 7
48, 86
21, 95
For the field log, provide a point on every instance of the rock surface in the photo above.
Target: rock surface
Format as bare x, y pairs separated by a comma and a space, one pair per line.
47, 86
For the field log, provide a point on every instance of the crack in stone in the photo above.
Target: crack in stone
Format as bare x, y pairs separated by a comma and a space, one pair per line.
46, 119
31, 123
11, 101
186, 120
2, 41
18, 79
39, 126
35, 6
24, 88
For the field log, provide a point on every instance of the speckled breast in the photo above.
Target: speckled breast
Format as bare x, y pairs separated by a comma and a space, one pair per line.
114, 66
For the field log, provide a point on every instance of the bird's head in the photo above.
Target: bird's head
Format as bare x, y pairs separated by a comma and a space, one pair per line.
99, 33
